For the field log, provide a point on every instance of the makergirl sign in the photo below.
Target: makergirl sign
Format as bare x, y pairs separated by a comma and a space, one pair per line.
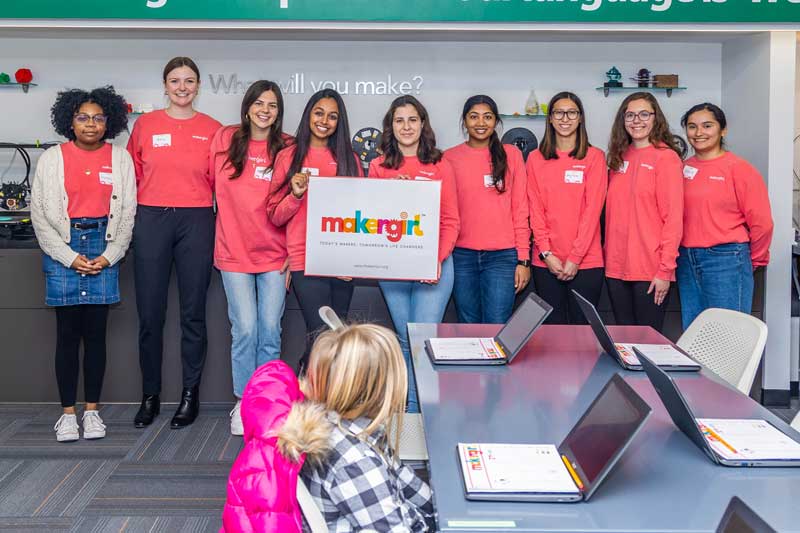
653, 11
372, 228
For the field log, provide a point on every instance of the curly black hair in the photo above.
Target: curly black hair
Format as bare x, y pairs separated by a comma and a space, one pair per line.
68, 102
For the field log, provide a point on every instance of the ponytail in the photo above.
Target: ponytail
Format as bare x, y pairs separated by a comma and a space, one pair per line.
499, 163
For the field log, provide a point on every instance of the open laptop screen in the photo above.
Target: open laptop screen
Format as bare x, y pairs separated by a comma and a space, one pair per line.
522, 324
605, 429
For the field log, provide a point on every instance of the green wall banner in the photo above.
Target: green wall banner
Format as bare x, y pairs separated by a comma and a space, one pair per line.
647, 11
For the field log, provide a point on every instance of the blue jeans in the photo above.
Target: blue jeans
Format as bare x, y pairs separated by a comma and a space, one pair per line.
720, 276
255, 309
484, 285
413, 301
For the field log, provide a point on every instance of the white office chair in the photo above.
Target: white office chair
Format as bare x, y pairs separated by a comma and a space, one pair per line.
729, 343
796, 422
310, 510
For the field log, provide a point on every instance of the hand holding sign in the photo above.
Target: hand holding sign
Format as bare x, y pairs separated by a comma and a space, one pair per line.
299, 184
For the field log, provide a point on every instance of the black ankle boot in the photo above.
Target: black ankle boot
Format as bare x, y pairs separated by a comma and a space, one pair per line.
149, 409
187, 409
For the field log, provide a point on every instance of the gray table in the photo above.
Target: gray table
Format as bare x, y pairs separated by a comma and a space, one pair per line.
663, 483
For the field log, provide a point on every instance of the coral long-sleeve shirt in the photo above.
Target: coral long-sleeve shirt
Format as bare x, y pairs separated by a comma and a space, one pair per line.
449, 221
644, 215
566, 197
725, 200
246, 240
170, 157
282, 206
479, 201
87, 180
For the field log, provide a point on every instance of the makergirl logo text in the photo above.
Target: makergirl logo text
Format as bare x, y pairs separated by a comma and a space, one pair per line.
393, 229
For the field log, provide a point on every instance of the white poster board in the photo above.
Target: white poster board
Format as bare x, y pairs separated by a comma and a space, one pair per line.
372, 228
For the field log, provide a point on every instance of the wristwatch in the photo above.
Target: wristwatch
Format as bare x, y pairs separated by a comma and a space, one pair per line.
543, 255
524, 262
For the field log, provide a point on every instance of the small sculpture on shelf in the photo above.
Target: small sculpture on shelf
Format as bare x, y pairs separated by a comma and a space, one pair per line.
532, 104
23, 76
642, 78
614, 76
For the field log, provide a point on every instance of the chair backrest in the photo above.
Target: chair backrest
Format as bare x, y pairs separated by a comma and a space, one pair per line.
796, 422
310, 510
412, 439
729, 343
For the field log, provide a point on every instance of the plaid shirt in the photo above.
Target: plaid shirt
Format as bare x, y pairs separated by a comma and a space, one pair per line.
358, 490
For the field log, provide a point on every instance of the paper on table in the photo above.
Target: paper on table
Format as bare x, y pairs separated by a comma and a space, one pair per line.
524, 468
465, 348
748, 439
660, 354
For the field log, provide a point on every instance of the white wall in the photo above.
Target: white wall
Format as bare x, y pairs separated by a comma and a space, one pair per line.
758, 80
451, 71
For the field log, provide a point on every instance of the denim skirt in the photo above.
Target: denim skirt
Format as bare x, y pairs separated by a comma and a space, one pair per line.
67, 286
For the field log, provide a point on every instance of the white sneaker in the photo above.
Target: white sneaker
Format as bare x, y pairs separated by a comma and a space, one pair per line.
237, 428
93, 427
67, 428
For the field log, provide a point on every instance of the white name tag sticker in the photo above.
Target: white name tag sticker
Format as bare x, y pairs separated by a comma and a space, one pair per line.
263, 173
488, 181
624, 168
689, 172
162, 140
573, 176
311, 171
422, 178
105, 178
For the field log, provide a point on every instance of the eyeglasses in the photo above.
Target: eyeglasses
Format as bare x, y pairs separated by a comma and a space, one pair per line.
571, 114
644, 116
83, 118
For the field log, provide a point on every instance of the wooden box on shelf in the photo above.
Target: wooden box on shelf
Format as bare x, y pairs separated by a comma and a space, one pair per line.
665, 80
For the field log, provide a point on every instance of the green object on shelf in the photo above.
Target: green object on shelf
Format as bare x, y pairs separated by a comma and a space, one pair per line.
5, 78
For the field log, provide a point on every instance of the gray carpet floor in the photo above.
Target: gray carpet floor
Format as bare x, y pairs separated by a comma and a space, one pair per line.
149, 480
154, 480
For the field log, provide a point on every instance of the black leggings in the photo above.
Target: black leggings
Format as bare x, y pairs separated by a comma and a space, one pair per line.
632, 305
313, 292
73, 324
588, 282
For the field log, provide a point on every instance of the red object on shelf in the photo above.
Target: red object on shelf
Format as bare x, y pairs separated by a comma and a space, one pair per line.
23, 75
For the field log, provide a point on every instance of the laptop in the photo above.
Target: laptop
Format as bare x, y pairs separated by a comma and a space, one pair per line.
728, 442
667, 356
570, 472
498, 350
739, 518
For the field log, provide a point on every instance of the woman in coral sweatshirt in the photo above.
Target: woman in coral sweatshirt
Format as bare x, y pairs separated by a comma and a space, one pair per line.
727, 222
491, 261
567, 181
644, 212
174, 224
250, 251
409, 152
322, 148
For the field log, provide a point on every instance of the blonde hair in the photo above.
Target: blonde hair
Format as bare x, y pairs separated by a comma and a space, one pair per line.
358, 370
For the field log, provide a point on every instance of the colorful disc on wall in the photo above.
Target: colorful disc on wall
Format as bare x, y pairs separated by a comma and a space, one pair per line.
365, 144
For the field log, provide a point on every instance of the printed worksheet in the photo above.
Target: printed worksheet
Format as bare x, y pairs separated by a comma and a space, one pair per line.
523, 468
455, 349
748, 439
660, 354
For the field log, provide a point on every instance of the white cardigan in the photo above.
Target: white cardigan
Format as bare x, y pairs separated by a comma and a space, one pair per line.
49, 206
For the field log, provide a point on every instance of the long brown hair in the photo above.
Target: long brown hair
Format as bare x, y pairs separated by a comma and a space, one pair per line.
427, 152
548, 146
237, 152
496, 149
620, 139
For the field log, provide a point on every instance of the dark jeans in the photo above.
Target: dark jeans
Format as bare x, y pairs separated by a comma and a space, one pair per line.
73, 324
633, 306
484, 285
163, 236
588, 282
312, 292
720, 276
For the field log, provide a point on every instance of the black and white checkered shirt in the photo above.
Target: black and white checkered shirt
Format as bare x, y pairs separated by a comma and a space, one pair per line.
362, 490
